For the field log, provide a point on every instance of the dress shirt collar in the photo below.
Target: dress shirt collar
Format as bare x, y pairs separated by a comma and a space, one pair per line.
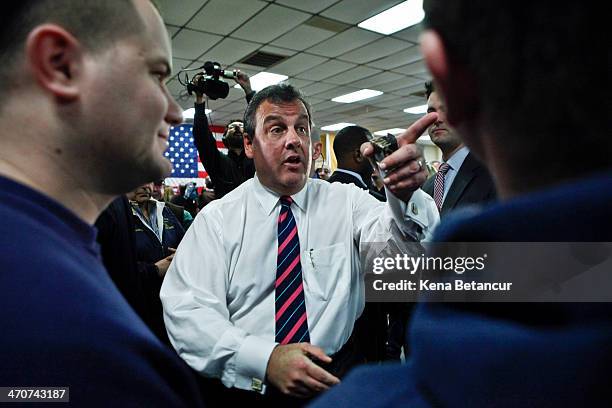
268, 199
457, 159
352, 173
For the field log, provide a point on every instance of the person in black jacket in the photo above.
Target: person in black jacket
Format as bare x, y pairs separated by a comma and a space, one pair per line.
227, 171
156, 234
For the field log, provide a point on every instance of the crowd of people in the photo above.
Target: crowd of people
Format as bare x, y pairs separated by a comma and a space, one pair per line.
252, 292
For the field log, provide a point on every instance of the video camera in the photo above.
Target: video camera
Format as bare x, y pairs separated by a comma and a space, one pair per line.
208, 82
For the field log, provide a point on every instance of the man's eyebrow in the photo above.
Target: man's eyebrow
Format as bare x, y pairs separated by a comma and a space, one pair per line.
272, 118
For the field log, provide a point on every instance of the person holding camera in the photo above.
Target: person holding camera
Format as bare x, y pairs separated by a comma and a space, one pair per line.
227, 171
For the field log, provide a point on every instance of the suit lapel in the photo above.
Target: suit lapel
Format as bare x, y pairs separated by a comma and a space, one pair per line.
462, 179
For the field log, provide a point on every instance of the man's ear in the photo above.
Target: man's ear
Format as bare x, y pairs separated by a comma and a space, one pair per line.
451, 79
55, 59
316, 150
357, 156
248, 146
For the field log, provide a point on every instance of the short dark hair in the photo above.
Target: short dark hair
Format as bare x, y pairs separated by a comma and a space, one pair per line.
537, 68
280, 93
95, 23
348, 139
429, 89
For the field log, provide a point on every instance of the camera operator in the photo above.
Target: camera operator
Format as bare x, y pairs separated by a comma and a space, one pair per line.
226, 171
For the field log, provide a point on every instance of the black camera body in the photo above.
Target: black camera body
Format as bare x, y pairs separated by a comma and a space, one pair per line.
209, 82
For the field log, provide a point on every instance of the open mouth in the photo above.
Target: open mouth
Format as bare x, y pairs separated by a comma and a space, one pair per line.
293, 160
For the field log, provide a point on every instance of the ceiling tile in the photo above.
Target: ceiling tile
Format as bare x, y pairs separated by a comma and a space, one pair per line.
377, 80
377, 49
224, 16
355, 11
317, 87
189, 44
411, 101
403, 82
398, 104
410, 33
302, 37
410, 90
407, 56
278, 50
352, 75
312, 6
344, 42
325, 70
416, 68
271, 23
337, 91
178, 15
172, 29
299, 83
229, 51
179, 63
298, 63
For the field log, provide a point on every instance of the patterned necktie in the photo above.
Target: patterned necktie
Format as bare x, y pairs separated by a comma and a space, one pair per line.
439, 185
291, 321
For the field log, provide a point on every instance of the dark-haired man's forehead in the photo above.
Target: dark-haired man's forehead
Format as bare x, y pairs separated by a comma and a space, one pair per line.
271, 111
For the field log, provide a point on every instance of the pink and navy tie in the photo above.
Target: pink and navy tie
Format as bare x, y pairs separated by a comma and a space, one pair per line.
439, 185
291, 320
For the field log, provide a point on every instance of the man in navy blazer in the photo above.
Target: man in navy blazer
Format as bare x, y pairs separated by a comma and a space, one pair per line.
524, 92
463, 180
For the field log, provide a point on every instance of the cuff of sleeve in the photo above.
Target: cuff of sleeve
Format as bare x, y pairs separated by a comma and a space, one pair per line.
415, 213
252, 362
417, 209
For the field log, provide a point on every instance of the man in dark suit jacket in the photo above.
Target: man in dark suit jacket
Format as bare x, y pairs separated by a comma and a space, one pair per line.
462, 178
510, 354
353, 167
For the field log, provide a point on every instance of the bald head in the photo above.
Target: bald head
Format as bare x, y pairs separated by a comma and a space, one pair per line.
95, 23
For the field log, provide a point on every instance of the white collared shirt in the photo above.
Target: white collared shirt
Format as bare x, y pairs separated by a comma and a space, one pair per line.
455, 162
218, 294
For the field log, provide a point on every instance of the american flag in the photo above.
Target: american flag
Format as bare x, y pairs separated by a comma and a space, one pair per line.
186, 165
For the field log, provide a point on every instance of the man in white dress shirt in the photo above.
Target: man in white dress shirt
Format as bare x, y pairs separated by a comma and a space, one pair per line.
223, 304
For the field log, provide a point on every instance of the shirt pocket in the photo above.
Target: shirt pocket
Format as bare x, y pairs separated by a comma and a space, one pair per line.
326, 271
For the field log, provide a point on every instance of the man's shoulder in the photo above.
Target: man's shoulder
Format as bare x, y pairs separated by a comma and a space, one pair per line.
573, 211
344, 178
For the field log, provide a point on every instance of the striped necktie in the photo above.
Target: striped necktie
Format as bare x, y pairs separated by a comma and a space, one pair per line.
439, 185
291, 320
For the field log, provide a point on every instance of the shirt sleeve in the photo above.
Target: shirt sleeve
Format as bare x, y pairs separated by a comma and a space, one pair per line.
196, 315
373, 220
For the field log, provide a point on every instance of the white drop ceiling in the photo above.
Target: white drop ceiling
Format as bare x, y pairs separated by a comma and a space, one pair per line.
323, 62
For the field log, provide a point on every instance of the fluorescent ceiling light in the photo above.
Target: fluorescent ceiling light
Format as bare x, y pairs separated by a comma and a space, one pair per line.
393, 131
416, 110
189, 113
263, 79
337, 126
357, 96
396, 18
